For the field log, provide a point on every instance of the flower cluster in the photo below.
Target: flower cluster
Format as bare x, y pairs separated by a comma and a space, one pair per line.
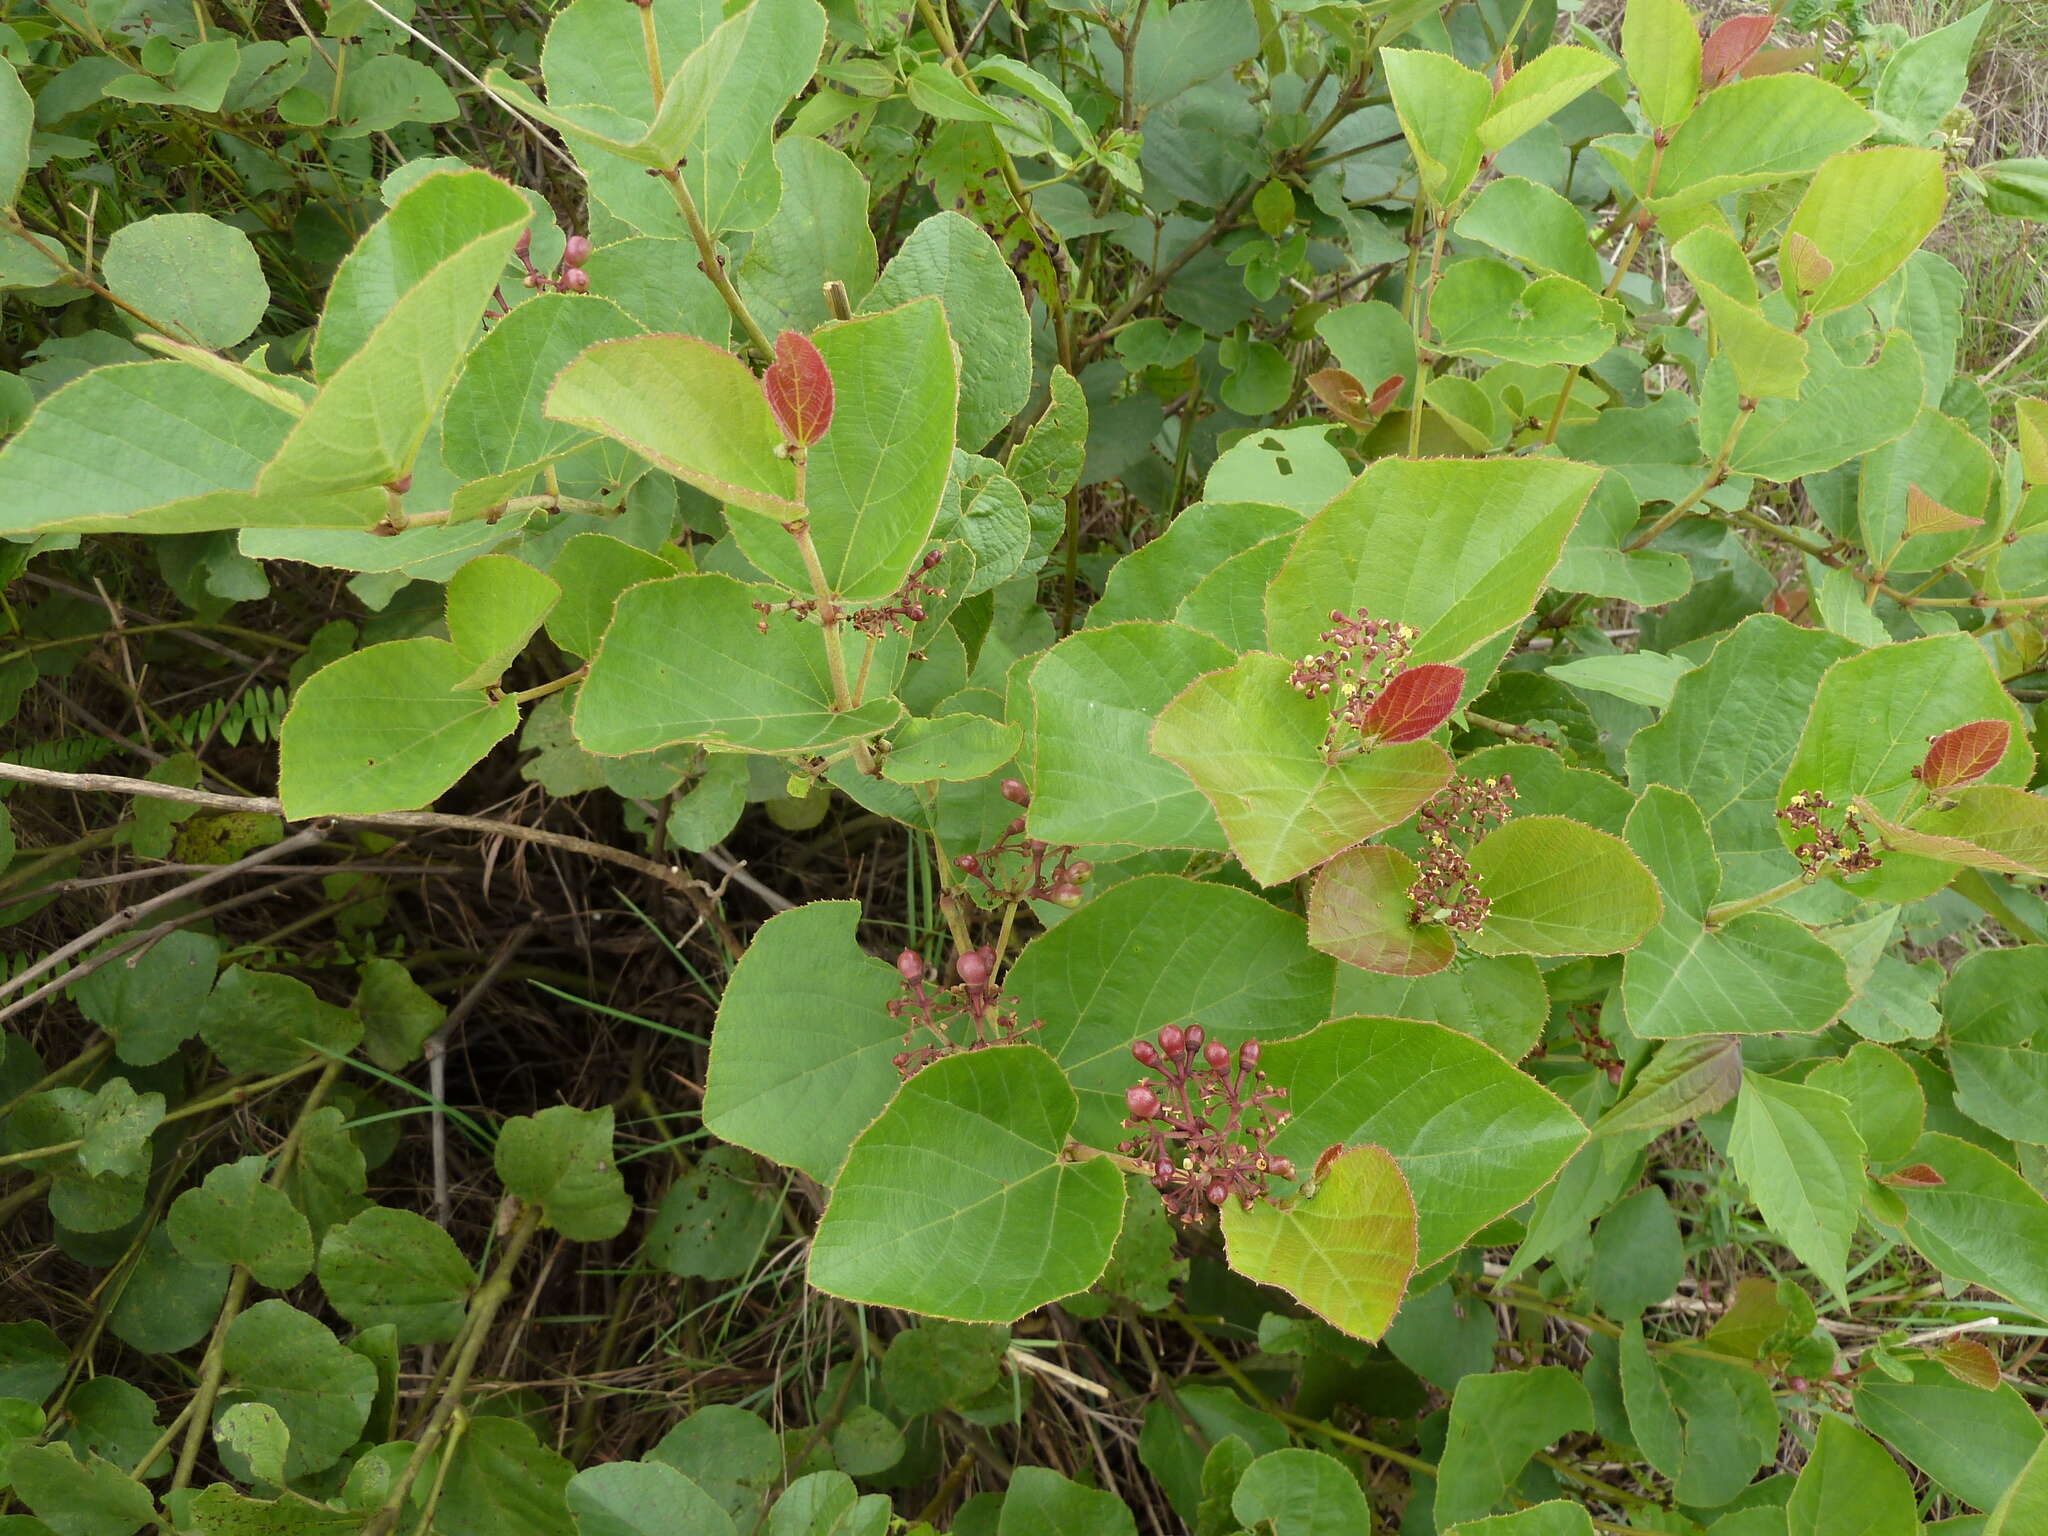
1202, 1126
1846, 847
1041, 872
569, 277
904, 607
1457, 816
1361, 655
940, 1010
1594, 1047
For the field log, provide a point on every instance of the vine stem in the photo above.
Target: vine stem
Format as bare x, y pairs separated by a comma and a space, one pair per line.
476, 1327
1424, 297
1716, 473
214, 1366
1728, 911
1622, 262
714, 264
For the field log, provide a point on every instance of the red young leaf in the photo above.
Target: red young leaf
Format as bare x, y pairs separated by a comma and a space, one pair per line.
1383, 394
1969, 1362
1342, 393
1913, 1176
1964, 755
799, 389
1778, 61
1926, 515
1415, 703
1729, 48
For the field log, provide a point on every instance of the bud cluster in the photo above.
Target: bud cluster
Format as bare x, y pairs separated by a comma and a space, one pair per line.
1202, 1126
903, 608
568, 277
1030, 878
940, 1009
1457, 816
1361, 656
1594, 1047
1847, 847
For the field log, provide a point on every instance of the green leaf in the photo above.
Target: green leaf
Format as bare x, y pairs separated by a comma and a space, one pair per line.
1457, 548
592, 570
397, 1014
493, 422
655, 280
1300, 1493
1940, 458
715, 1218
1683, 1081
169, 1304
79, 1498
1497, 1423
385, 729
150, 1003
949, 258
1983, 1223
235, 1218
197, 78
1539, 89
503, 1482
1554, 1518
1095, 697
949, 747
643, 1498
1866, 212
2018, 189
561, 1160
1254, 747
1641, 677
399, 319
1749, 133
276, 1354
1661, 41
1536, 226
17, 122
1441, 105
1850, 1486
1999, 1087
1839, 413
1047, 461
1799, 1153
1485, 308
1706, 1423
687, 406
877, 476
256, 1433
1756, 973
1924, 79
2025, 1505
495, 604
263, 1022
1474, 1137
800, 1057
1886, 1102
1360, 912
390, 1266
1972, 1443
157, 448
189, 271
968, 1153
819, 234
827, 1504
1345, 1252
686, 660
1558, 887
1987, 826
727, 1452
1496, 999
1039, 1502
1638, 1255
1161, 950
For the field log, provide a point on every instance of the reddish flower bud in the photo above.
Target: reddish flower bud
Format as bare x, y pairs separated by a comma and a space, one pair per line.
1280, 1167
1172, 1041
576, 280
1797, 1383
1146, 1052
1216, 1053
910, 965
576, 250
1218, 1194
1065, 894
1248, 1053
1143, 1103
900, 1060
1080, 870
914, 612
1015, 792
968, 863
973, 968
1164, 1169
1195, 1036
1014, 827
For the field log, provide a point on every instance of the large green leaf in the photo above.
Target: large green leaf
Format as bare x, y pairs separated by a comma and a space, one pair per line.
1474, 1137
1485, 308
1799, 1153
958, 1202
800, 1059
1254, 747
1344, 1252
1360, 912
1865, 213
1301, 1493
1554, 1517
384, 729
819, 234
493, 422
276, 1354
1983, 1223
1841, 411
191, 271
74, 1497
495, 603
1661, 42
1758, 973
949, 258
1154, 951
1850, 1486
1095, 778
687, 660
1539, 88
399, 320
1441, 104
561, 1160
1458, 548
1497, 1423
391, 1266
874, 481
2025, 1505
1748, 133
1497, 999
265, 1021
643, 1498
1970, 1442
1558, 887
234, 1217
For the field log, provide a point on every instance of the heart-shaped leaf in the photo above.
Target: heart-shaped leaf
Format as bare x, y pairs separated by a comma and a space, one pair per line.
1345, 1252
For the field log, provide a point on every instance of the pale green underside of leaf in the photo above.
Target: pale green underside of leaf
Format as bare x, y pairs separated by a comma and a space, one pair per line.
1345, 1253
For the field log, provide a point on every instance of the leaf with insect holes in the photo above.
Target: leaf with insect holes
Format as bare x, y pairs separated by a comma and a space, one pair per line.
1345, 1252
1414, 703
1965, 754
799, 389
1360, 912
1730, 46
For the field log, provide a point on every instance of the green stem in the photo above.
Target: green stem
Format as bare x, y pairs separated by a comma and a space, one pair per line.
1716, 473
1727, 911
236, 1093
1424, 296
714, 264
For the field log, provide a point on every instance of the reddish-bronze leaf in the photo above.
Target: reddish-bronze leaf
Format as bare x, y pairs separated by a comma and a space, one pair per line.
1913, 1176
1731, 46
1969, 1362
1964, 755
1341, 392
1360, 911
799, 389
1926, 515
1384, 393
1415, 703
1777, 61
